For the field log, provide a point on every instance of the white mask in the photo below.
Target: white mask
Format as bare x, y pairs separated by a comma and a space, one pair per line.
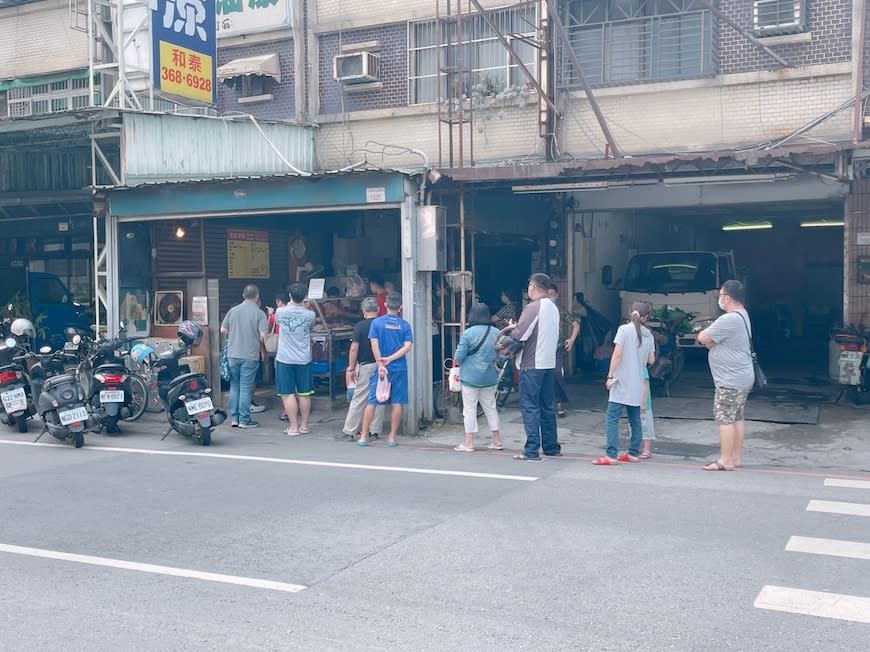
721, 304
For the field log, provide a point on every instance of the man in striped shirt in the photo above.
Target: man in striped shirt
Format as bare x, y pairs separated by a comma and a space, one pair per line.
538, 329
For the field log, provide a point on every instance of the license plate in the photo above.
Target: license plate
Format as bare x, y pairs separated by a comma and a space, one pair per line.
14, 400
70, 346
109, 396
199, 405
71, 416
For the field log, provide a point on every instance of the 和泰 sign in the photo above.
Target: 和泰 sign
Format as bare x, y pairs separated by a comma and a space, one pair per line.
183, 39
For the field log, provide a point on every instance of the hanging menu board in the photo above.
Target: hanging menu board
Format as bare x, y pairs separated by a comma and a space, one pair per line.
247, 254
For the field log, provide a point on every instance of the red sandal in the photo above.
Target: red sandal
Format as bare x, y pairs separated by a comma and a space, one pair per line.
605, 461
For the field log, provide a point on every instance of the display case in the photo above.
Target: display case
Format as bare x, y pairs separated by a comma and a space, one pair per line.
330, 339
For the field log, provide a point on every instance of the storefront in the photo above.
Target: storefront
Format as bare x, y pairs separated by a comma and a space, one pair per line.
186, 250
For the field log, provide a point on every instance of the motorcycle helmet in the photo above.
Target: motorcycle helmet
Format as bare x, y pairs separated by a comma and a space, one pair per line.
190, 332
21, 327
139, 352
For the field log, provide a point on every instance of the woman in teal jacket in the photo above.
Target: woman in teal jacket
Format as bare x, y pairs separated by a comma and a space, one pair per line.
475, 356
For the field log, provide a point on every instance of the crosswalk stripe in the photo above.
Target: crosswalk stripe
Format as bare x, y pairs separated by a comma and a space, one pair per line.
851, 484
835, 507
833, 547
814, 603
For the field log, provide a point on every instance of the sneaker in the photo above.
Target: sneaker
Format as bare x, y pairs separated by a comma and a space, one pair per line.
283, 416
234, 423
626, 457
257, 408
560, 410
249, 424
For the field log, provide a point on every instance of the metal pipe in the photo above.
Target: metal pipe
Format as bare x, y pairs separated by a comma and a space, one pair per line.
858, 126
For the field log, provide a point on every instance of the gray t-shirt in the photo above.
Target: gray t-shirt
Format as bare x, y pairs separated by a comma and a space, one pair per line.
628, 389
294, 334
729, 358
245, 322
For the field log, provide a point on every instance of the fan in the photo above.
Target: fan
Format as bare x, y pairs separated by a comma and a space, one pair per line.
168, 307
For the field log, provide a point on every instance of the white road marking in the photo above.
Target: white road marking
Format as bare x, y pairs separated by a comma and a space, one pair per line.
833, 547
281, 460
814, 603
835, 507
852, 484
151, 568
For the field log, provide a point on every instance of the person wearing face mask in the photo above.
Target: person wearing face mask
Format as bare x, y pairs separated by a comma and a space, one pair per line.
509, 310
569, 328
730, 360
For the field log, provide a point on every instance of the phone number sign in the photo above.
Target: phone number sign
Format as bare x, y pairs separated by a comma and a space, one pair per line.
183, 33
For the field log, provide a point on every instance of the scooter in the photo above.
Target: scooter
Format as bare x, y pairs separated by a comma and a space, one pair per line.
106, 381
184, 396
16, 403
59, 398
665, 324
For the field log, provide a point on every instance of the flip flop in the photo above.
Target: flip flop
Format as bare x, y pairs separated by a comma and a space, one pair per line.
717, 466
605, 461
304, 431
392, 444
360, 442
289, 433
462, 448
645, 455
493, 447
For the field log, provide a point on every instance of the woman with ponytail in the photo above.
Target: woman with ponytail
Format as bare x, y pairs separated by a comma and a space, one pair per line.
633, 349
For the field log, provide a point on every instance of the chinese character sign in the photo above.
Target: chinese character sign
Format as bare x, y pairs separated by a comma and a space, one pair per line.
238, 17
184, 48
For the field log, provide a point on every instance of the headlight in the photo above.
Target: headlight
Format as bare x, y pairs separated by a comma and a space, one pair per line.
700, 325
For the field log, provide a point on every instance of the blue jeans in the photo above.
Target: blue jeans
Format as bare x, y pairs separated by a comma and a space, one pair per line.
242, 374
538, 406
611, 422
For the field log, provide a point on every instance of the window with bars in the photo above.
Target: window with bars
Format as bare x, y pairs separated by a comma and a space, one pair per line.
774, 17
48, 98
434, 54
624, 41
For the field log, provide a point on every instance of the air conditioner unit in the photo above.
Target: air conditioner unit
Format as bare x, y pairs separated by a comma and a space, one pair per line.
356, 68
168, 307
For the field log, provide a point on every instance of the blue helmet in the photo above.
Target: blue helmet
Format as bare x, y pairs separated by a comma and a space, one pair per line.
140, 352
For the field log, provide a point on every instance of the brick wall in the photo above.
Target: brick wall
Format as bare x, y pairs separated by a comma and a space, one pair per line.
282, 107
393, 51
37, 38
829, 22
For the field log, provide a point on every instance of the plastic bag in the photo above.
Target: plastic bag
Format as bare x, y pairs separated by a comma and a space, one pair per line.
453, 382
382, 390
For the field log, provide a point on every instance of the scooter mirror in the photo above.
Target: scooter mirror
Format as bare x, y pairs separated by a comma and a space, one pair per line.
45, 349
77, 339
10, 342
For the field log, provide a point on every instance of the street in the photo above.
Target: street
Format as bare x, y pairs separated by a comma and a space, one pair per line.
267, 543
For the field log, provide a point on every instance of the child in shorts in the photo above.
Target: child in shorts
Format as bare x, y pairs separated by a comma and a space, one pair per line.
646, 419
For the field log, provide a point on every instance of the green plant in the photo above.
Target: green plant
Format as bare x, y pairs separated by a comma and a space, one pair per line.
19, 306
485, 96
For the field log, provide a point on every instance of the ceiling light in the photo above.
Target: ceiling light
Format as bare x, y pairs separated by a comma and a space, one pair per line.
819, 223
748, 226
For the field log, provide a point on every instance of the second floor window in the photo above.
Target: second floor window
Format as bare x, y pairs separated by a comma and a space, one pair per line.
774, 17
434, 54
624, 41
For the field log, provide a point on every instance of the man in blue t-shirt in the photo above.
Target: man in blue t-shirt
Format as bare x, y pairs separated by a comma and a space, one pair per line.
391, 340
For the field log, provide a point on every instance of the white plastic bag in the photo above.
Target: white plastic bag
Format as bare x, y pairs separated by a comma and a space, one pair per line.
453, 382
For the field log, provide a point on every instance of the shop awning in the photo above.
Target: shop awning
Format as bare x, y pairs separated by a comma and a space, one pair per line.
266, 64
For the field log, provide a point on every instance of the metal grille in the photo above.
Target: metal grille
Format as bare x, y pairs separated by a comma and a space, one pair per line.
484, 59
619, 41
771, 17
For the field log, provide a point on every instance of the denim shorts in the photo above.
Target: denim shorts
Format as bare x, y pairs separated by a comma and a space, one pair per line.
398, 388
728, 404
294, 379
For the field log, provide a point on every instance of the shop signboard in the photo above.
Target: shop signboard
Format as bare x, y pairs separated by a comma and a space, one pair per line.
238, 17
183, 35
247, 253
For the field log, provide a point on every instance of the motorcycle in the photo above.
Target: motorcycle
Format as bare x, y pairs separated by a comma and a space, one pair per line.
59, 398
16, 403
853, 362
666, 324
184, 396
107, 382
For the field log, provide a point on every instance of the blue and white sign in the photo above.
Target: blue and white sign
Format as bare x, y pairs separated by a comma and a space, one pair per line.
184, 43
238, 17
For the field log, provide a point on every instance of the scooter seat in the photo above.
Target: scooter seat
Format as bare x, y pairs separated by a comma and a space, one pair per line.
54, 381
185, 377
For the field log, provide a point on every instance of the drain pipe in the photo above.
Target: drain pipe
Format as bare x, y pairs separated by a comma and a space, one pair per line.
858, 126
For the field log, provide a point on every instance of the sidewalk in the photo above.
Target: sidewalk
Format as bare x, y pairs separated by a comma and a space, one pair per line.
839, 441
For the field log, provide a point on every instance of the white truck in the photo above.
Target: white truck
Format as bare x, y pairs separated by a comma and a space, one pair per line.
683, 280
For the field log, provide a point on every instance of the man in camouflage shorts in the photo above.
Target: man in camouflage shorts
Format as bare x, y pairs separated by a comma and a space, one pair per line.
730, 362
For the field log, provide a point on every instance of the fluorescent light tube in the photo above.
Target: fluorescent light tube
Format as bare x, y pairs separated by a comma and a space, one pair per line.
819, 223
748, 226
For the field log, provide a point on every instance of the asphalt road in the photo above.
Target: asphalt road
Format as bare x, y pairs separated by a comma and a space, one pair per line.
416, 548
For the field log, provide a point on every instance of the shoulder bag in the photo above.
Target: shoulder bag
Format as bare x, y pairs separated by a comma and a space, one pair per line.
760, 378
270, 339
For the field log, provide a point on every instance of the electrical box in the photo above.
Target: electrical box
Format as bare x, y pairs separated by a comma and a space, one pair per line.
863, 263
431, 238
